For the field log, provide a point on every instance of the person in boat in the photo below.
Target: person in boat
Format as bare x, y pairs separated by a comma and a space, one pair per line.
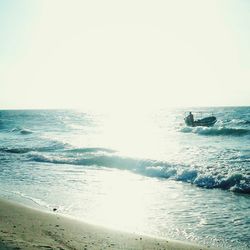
190, 119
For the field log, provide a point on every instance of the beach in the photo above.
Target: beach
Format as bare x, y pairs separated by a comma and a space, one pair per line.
22, 227
148, 175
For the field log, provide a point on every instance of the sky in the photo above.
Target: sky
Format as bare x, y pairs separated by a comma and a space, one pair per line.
124, 55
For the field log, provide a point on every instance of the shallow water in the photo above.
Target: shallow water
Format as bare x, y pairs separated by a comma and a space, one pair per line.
144, 173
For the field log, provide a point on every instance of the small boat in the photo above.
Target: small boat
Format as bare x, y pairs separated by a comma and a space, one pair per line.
205, 122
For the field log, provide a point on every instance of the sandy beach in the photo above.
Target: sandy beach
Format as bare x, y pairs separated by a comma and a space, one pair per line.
22, 227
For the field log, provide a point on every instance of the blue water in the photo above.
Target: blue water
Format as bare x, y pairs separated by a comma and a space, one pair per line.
145, 173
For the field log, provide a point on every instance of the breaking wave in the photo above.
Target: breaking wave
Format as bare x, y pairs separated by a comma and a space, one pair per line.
220, 131
195, 175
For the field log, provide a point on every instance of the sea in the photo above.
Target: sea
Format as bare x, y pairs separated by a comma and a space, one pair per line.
140, 172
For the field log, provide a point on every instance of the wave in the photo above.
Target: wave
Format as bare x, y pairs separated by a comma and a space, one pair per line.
52, 146
238, 122
246, 122
90, 150
220, 131
230, 181
103, 161
22, 131
16, 150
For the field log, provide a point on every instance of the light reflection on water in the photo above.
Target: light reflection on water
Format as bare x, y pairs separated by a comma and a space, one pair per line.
115, 196
131, 134
126, 201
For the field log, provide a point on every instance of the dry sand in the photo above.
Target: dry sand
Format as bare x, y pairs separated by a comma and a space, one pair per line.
26, 228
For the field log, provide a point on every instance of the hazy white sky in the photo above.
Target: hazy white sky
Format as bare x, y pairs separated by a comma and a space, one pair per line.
124, 54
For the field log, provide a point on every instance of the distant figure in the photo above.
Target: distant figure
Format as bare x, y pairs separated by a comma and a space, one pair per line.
190, 119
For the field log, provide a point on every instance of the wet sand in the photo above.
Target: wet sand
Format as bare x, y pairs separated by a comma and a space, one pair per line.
27, 228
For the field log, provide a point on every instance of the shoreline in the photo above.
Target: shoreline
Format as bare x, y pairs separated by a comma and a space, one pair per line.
23, 227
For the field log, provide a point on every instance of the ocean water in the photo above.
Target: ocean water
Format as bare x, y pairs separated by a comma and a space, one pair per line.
137, 172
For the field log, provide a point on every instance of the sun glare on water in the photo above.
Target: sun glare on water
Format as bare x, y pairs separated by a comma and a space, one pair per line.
122, 202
